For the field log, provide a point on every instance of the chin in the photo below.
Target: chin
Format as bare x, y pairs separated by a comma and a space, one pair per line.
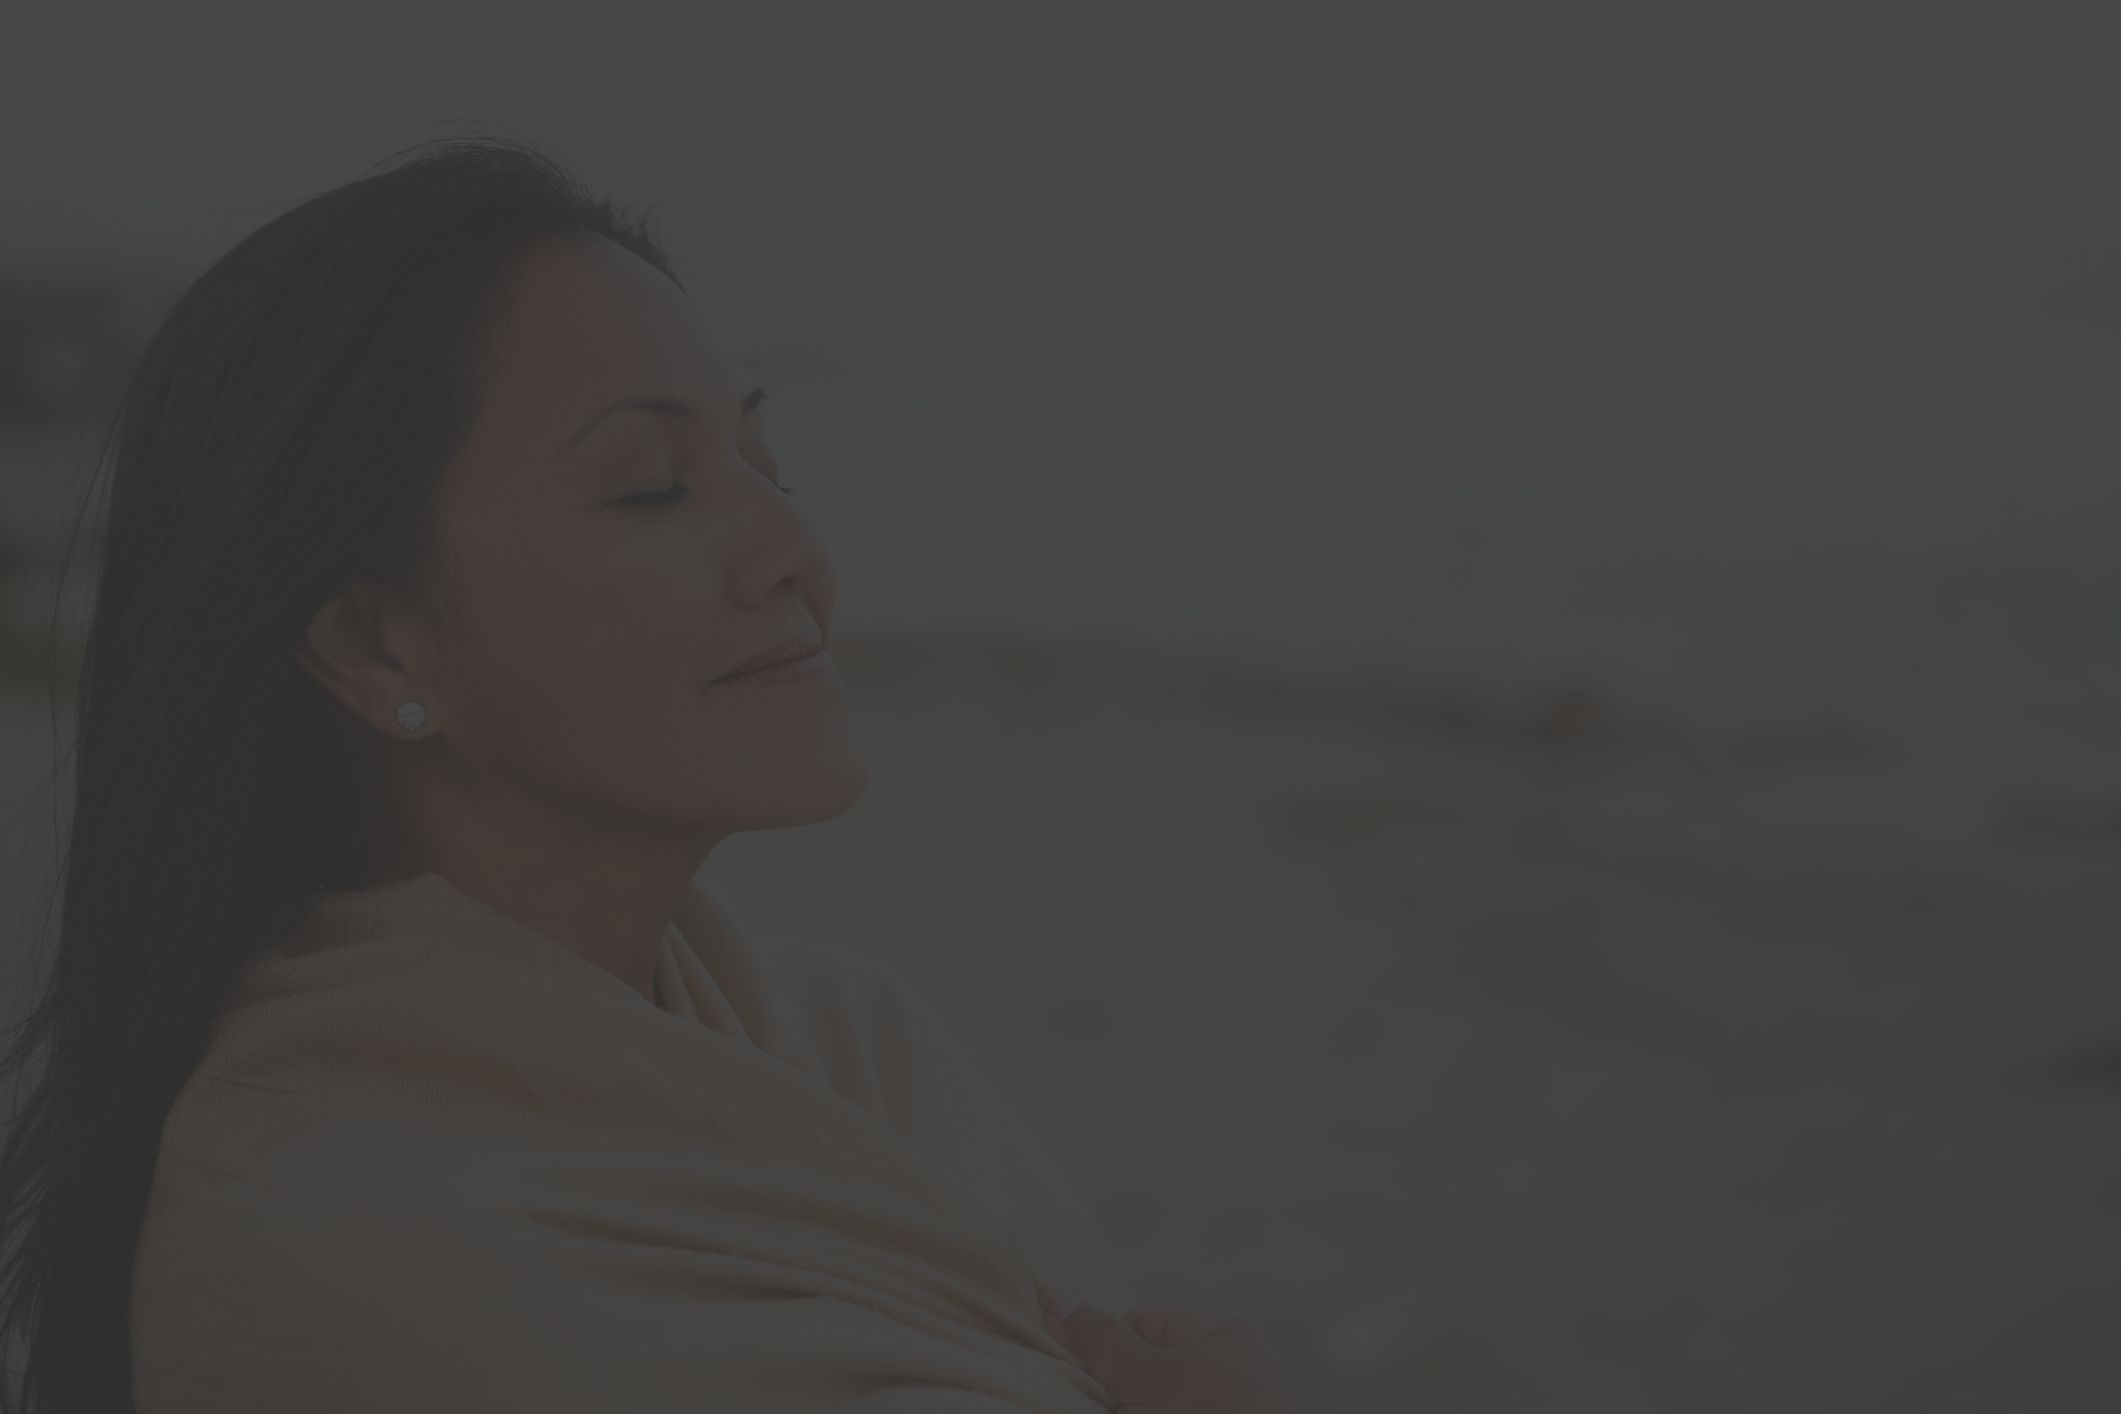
835, 793
821, 790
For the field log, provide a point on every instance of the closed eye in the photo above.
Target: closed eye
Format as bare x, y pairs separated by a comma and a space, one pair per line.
668, 496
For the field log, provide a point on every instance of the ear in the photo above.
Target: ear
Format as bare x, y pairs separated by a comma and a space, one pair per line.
358, 648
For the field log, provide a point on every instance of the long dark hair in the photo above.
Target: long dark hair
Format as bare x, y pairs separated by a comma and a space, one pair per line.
280, 435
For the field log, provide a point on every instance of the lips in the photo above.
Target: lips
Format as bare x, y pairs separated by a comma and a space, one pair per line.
790, 651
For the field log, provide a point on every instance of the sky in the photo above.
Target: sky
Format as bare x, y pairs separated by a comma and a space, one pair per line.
1304, 184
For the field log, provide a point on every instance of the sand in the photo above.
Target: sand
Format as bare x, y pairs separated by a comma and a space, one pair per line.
1497, 1062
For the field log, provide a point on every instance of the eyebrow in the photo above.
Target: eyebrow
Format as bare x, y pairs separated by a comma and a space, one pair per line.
688, 409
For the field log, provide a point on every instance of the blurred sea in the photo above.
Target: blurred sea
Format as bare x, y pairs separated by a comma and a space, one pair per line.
1911, 559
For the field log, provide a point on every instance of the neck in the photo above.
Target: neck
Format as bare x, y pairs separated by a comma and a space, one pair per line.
608, 897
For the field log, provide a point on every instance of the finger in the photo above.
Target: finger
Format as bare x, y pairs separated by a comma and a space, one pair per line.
1107, 1348
1167, 1325
1052, 1305
1055, 1303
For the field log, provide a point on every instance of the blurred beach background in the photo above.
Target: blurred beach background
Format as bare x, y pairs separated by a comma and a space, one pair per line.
1489, 638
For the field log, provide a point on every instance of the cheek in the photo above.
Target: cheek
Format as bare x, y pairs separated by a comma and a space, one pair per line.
574, 650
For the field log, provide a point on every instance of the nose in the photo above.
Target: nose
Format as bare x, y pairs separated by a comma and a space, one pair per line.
781, 553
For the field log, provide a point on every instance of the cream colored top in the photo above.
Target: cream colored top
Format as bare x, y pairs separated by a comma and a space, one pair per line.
433, 1160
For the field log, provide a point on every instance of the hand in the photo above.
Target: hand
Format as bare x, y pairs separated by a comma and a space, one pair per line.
1164, 1361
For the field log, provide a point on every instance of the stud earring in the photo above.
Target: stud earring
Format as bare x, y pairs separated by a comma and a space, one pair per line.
412, 716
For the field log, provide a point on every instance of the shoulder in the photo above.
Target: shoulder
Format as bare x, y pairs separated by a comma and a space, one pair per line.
273, 1231
277, 1177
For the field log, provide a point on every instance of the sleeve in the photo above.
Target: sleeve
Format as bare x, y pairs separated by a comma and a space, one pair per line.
384, 1307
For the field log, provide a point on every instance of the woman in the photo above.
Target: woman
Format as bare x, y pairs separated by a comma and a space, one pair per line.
451, 611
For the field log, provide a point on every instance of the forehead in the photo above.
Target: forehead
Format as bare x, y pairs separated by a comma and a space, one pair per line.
578, 326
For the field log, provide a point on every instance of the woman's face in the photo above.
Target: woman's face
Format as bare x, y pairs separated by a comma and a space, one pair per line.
602, 566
